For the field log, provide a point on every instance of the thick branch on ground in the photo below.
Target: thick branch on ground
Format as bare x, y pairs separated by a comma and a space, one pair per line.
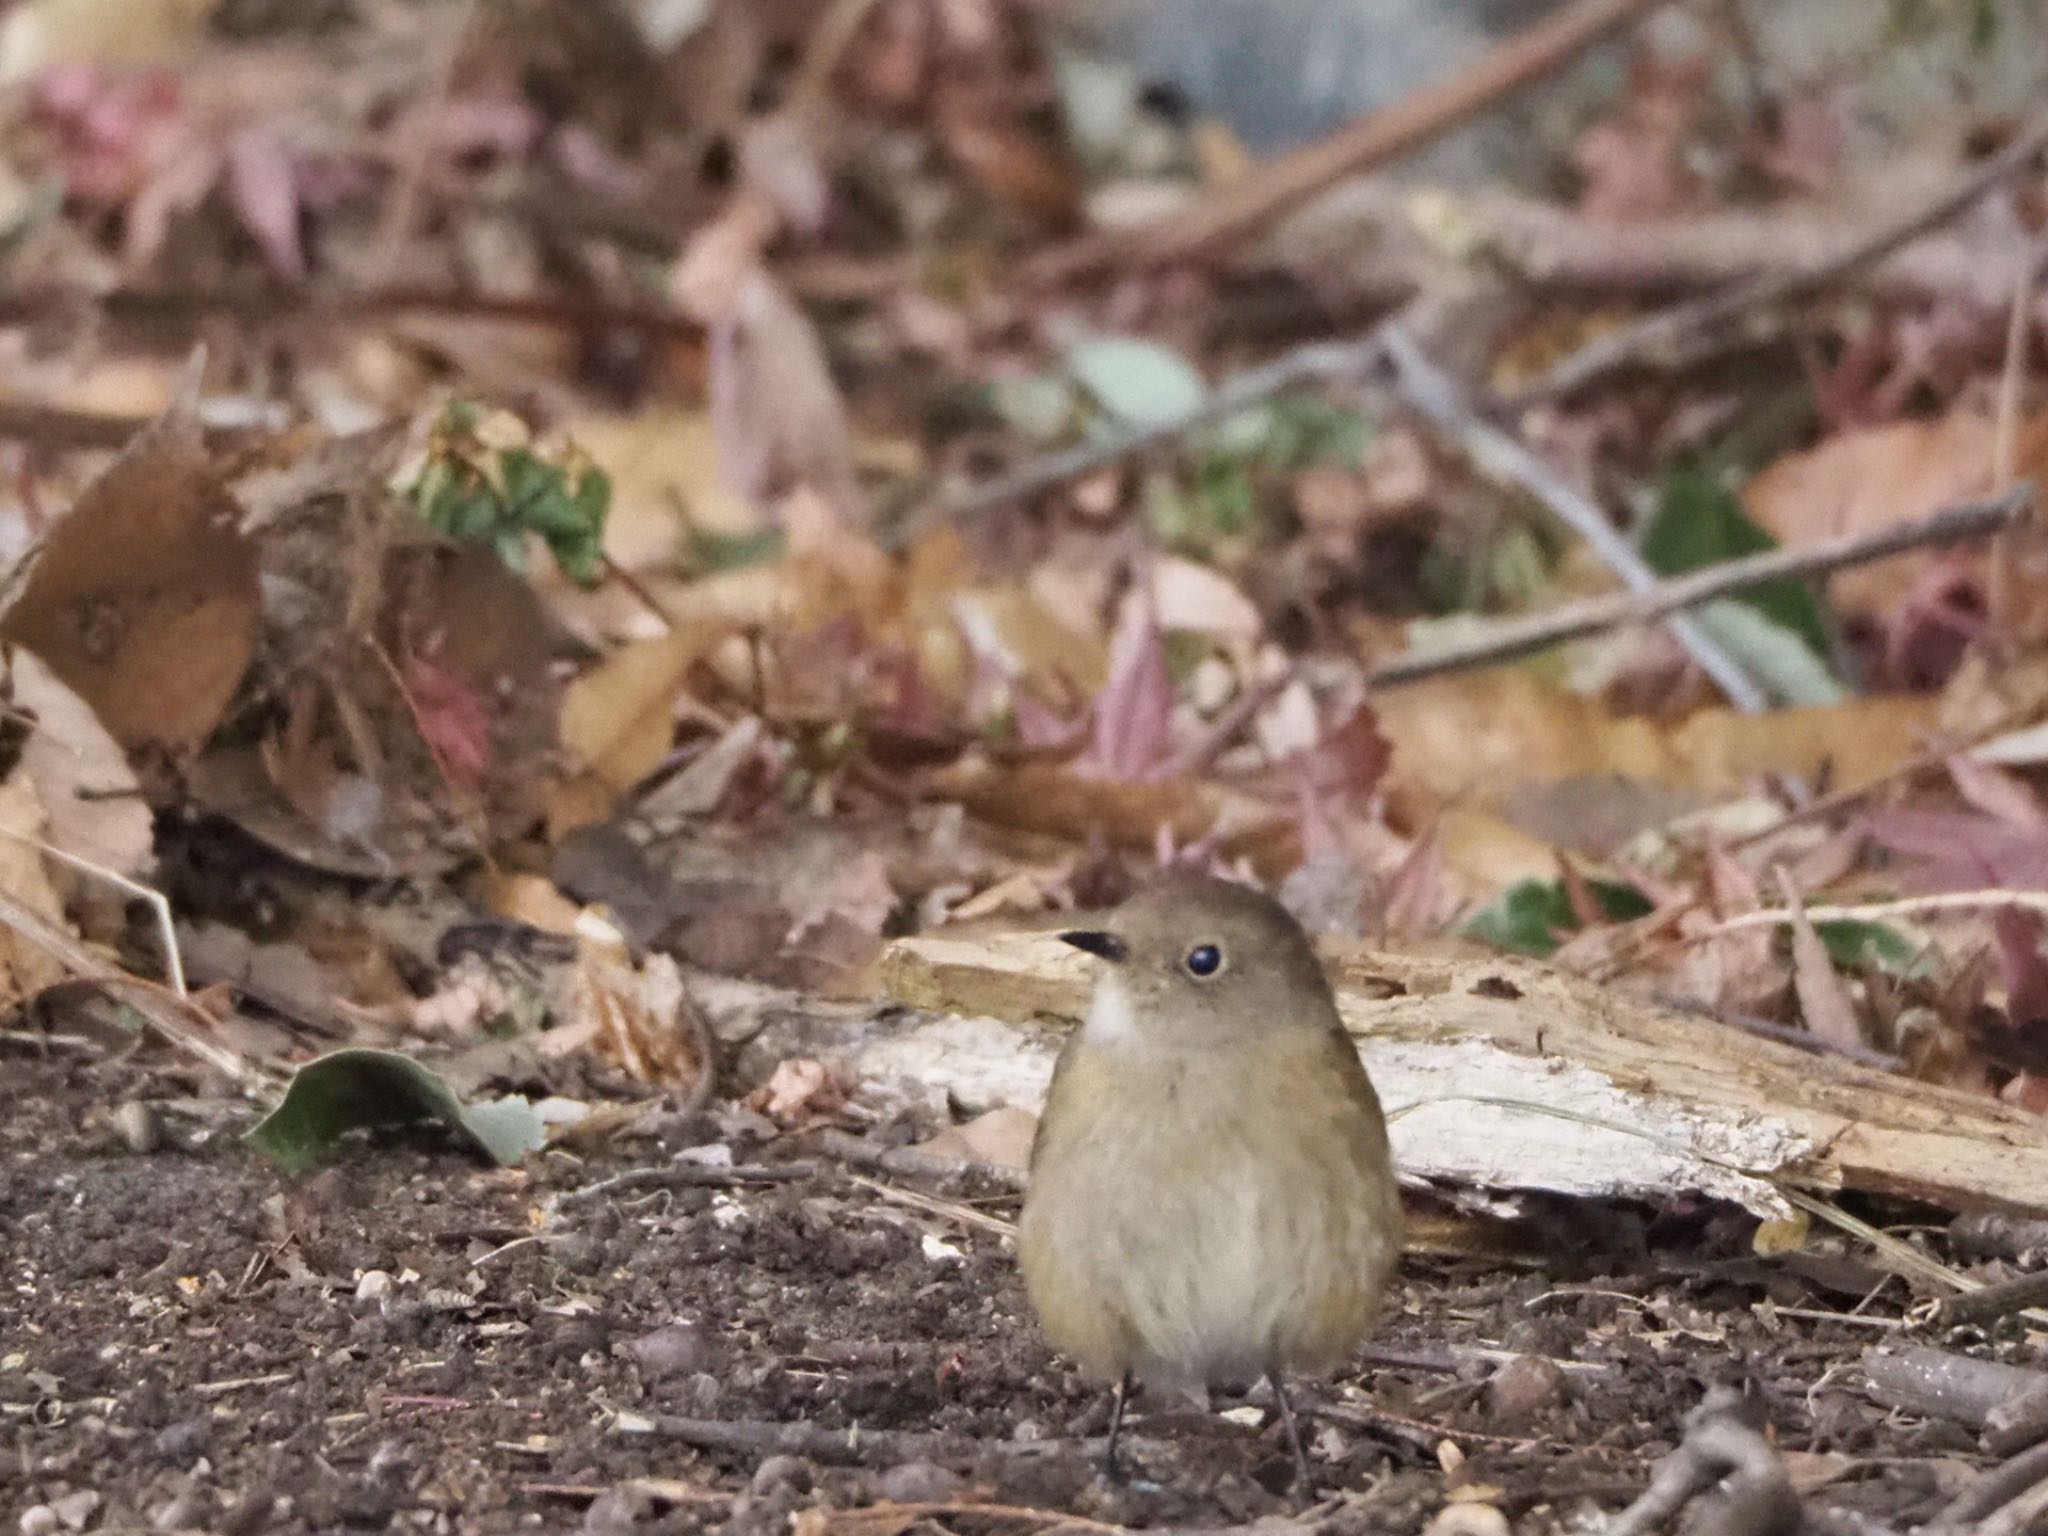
1520, 637
1664, 338
2007, 1403
1371, 141
1513, 1075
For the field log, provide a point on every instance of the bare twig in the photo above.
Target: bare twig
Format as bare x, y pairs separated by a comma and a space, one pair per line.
1926, 760
909, 1162
1944, 1385
1320, 362
1519, 637
1756, 1496
401, 209
1434, 394
158, 903
1663, 338
674, 1175
2018, 1516
851, 1447
1877, 911
167, 1012
1994, 1301
1372, 140
932, 1205
1995, 1491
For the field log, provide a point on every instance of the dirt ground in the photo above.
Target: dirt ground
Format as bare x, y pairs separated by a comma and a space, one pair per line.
188, 1342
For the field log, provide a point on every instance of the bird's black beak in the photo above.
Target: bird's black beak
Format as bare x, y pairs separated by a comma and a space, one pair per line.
1096, 942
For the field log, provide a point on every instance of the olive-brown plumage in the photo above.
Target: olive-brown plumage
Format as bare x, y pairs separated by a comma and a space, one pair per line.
1212, 1198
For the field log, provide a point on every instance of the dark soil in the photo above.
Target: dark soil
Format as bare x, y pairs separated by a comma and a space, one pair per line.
185, 1336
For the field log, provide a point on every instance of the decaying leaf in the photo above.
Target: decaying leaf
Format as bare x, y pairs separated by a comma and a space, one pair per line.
641, 1018
95, 808
1871, 478
800, 1090
1001, 1136
351, 1089
25, 968
143, 598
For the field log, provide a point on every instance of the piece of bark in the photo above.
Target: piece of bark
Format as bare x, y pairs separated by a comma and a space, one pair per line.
1611, 1096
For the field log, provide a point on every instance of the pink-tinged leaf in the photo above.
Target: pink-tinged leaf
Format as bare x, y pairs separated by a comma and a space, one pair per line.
1132, 736
181, 185
2029, 1091
116, 132
1823, 1000
452, 717
1415, 896
266, 198
2021, 964
1997, 793
914, 707
1350, 760
590, 163
1928, 630
497, 125
1961, 850
1586, 909
1040, 727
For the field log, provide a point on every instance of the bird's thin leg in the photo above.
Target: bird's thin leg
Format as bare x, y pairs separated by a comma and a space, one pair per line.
1304, 1480
1116, 1424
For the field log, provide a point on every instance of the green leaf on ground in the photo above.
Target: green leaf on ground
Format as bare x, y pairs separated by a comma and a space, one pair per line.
1850, 943
1531, 916
1699, 522
1140, 382
350, 1089
1772, 654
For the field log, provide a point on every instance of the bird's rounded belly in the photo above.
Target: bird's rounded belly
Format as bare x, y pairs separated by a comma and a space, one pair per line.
1213, 1279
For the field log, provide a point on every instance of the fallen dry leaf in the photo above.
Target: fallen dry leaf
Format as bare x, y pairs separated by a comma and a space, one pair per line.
641, 1018
25, 969
1870, 478
1002, 1137
618, 719
799, 1090
89, 794
1823, 1000
143, 598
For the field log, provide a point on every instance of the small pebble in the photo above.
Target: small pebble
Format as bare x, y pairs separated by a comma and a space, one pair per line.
182, 1441
1463, 1519
138, 1127
783, 1471
1525, 1388
374, 1285
675, 1349
39, 1520
74, 1509
919, 1482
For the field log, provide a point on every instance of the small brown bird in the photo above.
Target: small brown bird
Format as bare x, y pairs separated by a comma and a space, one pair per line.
1212, 1198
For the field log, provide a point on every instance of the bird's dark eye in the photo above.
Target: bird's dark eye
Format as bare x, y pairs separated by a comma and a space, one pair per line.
1204, 960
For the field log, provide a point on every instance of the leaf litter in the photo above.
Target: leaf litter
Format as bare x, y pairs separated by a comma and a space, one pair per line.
524, 658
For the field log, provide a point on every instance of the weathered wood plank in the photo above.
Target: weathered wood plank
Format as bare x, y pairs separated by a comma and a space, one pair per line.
1681, 1103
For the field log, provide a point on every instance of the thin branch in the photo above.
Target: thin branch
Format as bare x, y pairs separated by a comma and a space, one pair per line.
1876, 911
1664, 337
1510, 639
172, 1016
1320, 362
1719, 1451
1407, 124
1434, 394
